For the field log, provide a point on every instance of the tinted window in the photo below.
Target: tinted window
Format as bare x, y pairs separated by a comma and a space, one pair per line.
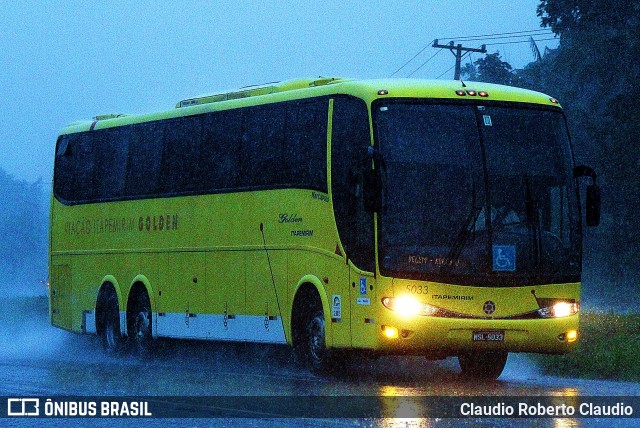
145, 153
64, 167
305, 153
180, 157
262, 150
111, 149
220, 150
270, 146
83, 162
349, 159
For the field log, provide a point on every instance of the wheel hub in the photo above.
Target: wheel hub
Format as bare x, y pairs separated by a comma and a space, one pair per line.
141, 326
316, 338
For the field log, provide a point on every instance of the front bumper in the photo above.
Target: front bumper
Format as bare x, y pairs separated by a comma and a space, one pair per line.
451, 336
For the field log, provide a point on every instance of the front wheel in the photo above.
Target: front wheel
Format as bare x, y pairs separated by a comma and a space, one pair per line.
482, 365
315, 345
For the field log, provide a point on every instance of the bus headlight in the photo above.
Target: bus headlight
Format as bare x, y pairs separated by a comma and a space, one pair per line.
408, 306
559, 310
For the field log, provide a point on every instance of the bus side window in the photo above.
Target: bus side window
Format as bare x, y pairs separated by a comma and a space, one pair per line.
350, 142
262, 147
218, 167
83, 176
64, 167
306, 144
145, 152
110, 170
180, 155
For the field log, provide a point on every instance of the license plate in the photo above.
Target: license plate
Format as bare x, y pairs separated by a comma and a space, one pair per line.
488, 336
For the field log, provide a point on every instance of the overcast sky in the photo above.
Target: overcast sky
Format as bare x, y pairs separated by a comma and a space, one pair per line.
61, 61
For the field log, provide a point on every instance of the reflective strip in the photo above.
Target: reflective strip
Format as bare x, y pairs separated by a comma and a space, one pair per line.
89, 322
123, 323
238, 328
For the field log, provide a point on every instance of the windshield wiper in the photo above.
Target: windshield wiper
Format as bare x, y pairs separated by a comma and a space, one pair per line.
461, 238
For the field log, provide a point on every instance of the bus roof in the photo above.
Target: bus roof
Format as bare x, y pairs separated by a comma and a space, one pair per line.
368, 90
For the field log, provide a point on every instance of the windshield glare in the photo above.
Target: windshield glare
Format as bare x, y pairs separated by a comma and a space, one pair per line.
476, 194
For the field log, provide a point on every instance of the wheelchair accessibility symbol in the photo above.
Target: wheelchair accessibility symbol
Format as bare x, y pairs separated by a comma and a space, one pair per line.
504, 258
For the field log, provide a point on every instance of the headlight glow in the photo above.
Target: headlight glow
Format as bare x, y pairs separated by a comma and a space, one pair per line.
408, 306
562, 309
559, 310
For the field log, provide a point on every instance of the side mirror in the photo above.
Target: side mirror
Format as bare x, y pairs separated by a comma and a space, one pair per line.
371, 194
593, 203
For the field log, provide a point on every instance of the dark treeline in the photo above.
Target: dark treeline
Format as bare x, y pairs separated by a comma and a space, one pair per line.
23, 236
594, 73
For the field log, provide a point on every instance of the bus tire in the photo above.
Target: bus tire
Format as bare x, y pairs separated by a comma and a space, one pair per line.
140, 324
314, 342
482, 365
109, 324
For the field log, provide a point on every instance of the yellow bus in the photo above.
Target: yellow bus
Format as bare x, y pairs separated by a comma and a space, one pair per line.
387, 216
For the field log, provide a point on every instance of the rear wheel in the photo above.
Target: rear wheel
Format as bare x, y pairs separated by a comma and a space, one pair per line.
140, 329
110, 336
483, 365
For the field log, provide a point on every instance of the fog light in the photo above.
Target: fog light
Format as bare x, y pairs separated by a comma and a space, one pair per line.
390, 332
572, 336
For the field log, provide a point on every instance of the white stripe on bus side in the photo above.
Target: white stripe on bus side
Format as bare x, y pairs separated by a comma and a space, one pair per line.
239, 328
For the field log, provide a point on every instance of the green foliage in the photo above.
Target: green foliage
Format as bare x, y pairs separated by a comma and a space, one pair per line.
491, 69
593, 74
469, 72
609, 348
566, 16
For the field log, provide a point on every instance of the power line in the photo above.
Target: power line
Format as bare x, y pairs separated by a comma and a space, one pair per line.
494, 34
521, 41
424, 63
475, 39
414, 57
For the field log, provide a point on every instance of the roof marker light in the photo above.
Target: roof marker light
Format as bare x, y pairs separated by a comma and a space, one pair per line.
553, 100
472, 93
461, 93
383, 92
483, 94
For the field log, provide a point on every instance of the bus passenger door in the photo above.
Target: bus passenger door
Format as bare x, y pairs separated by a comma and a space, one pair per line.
350, 160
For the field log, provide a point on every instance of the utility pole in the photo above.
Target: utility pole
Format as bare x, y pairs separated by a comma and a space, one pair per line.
457, 51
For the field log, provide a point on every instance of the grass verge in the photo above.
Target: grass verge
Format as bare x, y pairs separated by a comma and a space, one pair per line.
609, 348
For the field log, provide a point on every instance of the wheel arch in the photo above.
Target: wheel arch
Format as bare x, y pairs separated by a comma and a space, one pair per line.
307, 285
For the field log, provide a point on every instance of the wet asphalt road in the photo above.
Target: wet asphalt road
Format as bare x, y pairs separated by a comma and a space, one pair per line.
39, 360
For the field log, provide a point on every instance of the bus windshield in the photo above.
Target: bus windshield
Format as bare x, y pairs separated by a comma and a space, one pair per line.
477, 194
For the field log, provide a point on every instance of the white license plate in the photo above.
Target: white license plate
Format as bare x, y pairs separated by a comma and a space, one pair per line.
488, 336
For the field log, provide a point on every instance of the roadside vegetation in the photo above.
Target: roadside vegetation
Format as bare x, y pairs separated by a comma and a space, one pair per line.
609, 348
